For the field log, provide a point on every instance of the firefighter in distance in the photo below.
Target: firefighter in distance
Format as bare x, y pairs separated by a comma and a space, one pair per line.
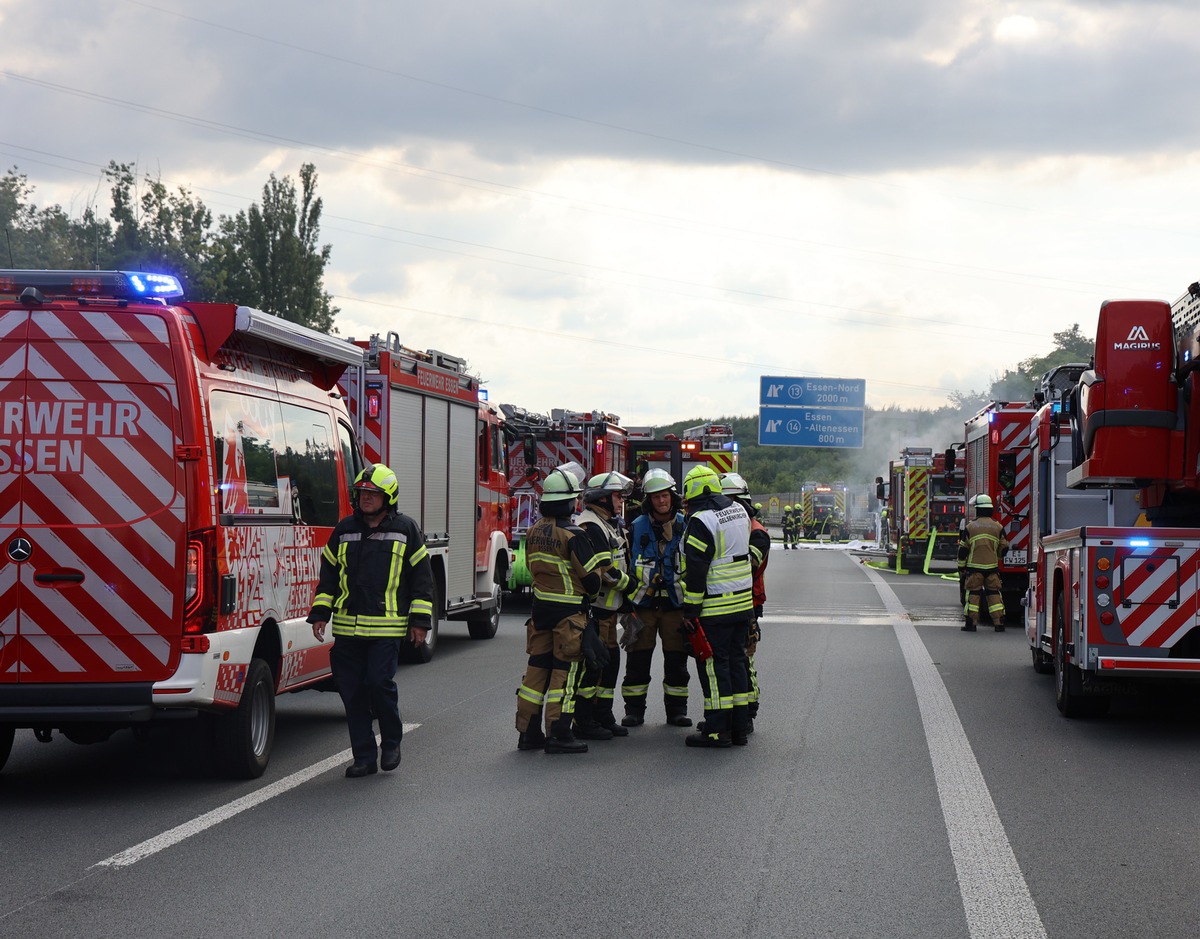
981, 546
718, 601
658, 599
563, 567
376, 587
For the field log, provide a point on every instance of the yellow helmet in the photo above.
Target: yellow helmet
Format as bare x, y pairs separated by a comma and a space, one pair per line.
700, 480
380, 478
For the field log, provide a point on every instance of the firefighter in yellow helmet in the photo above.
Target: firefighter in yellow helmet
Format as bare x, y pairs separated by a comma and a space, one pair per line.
788, 527
981, 546
376, 587
565, 578
718, 601
602, 521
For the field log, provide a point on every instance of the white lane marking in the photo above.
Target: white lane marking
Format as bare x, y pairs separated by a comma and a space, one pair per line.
995, 896
180, 833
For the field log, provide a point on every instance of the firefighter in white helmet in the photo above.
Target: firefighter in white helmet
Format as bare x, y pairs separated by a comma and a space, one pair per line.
734, 486
658, 598
981, 546
602, 520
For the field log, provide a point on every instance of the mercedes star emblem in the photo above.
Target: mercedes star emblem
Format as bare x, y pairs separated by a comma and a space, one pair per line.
19, 549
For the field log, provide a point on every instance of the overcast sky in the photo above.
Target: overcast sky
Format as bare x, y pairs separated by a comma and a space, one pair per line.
642, 206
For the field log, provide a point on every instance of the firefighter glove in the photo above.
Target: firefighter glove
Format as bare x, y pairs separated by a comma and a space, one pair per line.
632, 626
595, 655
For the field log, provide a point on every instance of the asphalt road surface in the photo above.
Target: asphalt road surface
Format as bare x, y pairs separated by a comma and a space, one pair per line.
905, 779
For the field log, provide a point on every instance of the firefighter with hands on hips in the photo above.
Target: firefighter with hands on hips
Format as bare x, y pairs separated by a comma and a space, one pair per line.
602, 520
718, 597
376, 588
658, 599
564, 569
735, 487
981, 546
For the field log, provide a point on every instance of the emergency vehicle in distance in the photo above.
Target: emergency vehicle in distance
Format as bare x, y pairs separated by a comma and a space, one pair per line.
924, 499
169, 473
595, 440
822, 509
421, 413
998, 465
1114, 595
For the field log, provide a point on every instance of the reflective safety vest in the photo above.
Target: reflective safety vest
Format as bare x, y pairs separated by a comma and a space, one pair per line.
981, 545
612, 564
556, 567
656, 563
728, 584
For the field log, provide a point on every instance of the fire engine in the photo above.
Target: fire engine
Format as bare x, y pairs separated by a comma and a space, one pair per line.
710, 443
595, 440
998, 465
169, 473
861, 513
421, 413
1113, 597
822, 511
924, 499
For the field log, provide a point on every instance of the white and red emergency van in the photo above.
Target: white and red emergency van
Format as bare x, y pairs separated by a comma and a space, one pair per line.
169, 473
423, 414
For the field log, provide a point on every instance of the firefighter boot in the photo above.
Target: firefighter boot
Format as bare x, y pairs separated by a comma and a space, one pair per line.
561, 740
531, 739
605, 718
678, 719
968, 626
701, 739
634, 717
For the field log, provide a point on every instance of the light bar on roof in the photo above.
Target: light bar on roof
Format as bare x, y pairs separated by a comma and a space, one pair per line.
291, 335
115, 285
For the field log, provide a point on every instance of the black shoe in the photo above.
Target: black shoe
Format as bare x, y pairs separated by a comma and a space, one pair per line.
1000, 628
740, 740
532, 739
389, 758
592, 731
633, 720
567, 744
360, 768
969, 628
708, 740
616, 729
679, 720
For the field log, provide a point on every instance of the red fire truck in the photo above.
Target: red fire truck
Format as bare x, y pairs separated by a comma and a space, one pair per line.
421, 414
1114, 592
169, 473
998, 464
595, 440
709, 443
924, 500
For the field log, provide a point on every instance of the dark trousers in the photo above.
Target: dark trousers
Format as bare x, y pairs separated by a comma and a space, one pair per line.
725, 677
364, 671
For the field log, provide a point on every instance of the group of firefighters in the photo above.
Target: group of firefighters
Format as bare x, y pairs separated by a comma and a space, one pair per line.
686, 574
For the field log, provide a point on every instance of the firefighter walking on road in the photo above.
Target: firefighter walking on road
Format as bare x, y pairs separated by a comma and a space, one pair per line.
717, 591
376, 587
602, 520
981, 546
658, 597
565, 578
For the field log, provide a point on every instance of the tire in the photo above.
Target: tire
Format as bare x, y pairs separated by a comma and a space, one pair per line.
422, 654
242, 740
1042, 663
483, 625
7, 732
1068, 683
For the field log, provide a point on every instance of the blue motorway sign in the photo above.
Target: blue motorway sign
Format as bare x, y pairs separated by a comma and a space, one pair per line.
810, 427
813, 392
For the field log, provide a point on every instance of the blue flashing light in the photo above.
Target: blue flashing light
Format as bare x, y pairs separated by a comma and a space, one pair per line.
1056, 407
154, 285
483, 394
1139, 542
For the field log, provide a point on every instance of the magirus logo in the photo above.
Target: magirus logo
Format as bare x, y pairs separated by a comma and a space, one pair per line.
1138, 339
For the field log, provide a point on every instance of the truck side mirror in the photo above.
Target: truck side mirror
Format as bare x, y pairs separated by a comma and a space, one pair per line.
530, 448
879, 493
950, 460
1006, 470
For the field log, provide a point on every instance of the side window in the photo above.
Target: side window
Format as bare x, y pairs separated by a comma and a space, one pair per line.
246, 432
499, 462
350, 458
482, 460
308, 473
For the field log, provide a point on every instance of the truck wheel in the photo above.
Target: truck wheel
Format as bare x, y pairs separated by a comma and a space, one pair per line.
483, 625
242, 740
7, 732
1042, 663
1068, 683
419, 655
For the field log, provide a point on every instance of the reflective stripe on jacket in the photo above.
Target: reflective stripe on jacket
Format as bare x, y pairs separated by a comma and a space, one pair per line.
982, 544
717, 580
609, 545
656, 560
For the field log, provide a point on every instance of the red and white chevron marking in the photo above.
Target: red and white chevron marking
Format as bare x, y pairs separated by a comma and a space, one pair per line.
1150, 583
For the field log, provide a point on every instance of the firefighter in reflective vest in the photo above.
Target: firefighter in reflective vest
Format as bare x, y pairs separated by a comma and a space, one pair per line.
735, 487
787, 527
658, 598
602, 520
563, 568
981, 546
717, 590
376, 586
